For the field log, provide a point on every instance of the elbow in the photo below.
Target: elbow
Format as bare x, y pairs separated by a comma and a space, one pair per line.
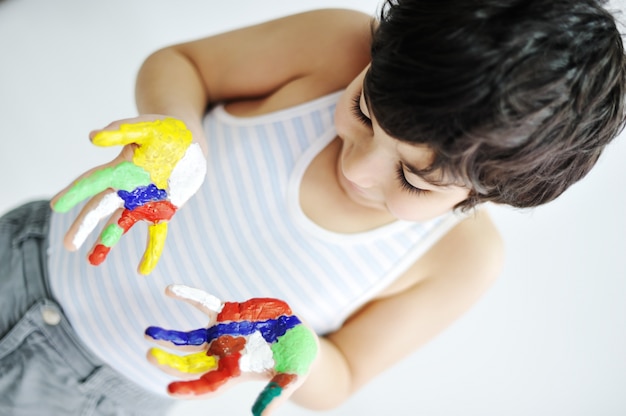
158, 58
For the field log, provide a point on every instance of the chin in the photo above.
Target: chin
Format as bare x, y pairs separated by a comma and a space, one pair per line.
374, 205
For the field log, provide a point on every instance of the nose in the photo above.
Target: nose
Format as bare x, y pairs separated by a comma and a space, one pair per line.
362, 162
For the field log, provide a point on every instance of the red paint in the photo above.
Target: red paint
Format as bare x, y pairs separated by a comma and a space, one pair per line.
152, 212
283, 379
226, 345
98, 255
258, 309
228, 350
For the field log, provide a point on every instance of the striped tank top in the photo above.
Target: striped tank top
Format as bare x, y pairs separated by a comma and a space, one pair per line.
242, 235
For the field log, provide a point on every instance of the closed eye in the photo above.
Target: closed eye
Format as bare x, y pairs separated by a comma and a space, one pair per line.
358, 113
406, 185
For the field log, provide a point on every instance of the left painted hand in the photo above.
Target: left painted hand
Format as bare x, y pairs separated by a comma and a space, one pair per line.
260, 337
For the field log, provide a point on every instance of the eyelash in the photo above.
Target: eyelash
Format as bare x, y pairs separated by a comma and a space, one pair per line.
356, 110
406, 185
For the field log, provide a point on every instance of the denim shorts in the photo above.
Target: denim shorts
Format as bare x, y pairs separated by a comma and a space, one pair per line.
44, 368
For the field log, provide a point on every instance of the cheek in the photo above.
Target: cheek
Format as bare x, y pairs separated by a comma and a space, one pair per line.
413, 208
421, 207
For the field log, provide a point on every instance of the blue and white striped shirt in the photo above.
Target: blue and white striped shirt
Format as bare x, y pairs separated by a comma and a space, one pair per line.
243, 235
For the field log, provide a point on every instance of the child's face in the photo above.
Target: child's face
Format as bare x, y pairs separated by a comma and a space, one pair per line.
376, 170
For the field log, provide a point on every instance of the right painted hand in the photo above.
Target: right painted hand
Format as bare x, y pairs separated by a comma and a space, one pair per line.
158, 170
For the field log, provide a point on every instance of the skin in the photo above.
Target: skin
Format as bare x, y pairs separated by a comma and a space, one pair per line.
350, 186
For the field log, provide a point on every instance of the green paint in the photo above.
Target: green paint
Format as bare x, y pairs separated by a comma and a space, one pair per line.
111, 235
295, 351
269, 393
126, 176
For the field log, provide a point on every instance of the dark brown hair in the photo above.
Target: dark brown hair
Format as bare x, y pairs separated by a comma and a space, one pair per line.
517, 98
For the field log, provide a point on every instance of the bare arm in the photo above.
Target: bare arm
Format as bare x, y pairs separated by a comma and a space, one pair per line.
444, 284
282, 62
289, 60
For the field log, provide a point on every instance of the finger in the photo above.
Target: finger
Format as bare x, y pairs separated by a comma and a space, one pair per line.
156, 242
276, 392
126, 176
98, 208
121, 133
145, 133
182, 366
178, 348
177, 338
201, 300
198, 388
62, 192
157, 213
110, 235
125, 155
115, 125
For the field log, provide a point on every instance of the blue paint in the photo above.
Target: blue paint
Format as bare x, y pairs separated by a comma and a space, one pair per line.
141, 196
195, 337
270, 329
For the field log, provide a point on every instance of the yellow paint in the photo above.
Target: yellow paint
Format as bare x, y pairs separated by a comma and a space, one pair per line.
156, 242
162, 143
192, 363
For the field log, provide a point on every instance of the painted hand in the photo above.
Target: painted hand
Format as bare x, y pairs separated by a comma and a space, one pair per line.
257, 338
158, 171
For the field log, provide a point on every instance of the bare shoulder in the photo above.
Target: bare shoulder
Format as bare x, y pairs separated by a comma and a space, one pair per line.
339, 26
333, 46
284, 61
336, 19
348, 29
436, 291
472, 251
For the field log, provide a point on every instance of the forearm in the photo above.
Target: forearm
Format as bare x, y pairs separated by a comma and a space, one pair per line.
329, 384
168, 83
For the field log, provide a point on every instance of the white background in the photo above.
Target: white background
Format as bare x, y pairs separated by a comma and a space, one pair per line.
548, 340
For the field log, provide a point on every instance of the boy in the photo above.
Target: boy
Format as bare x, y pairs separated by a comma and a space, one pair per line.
470, 133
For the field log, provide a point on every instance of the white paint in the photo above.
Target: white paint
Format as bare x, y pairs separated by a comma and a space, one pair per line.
257, 355
199, 296
547, 340
107, 206
187, 176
